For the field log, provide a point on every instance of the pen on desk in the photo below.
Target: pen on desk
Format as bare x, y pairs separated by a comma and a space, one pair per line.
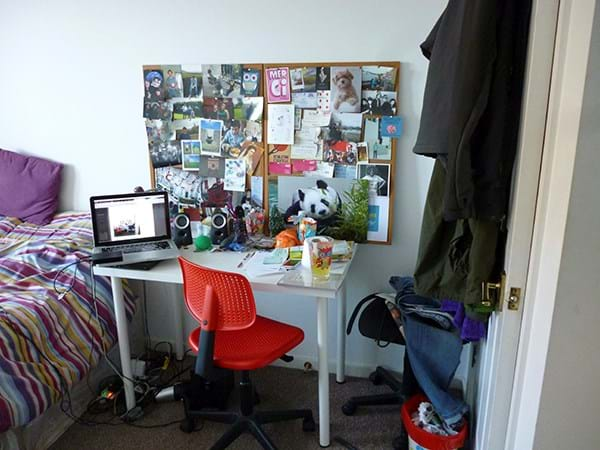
246, 258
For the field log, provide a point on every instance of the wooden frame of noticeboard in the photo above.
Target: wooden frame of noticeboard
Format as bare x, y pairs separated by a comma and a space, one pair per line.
392, 161
263, 167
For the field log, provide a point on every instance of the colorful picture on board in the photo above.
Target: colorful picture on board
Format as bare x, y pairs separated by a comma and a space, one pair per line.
158, 110
341, 152
378, 78
380, 147
173, 81
248, 108
323, 78
345, 89
187, 110
186, 129
210, 136
222, 80
165, 154
378, 176
153, 84
381, 103
250, 82
313, 198
278, 85
218, 109
190, 154
192, 80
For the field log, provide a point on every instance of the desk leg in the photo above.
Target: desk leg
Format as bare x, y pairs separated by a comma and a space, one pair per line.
123, 338
340, 375
178, 320
323, 372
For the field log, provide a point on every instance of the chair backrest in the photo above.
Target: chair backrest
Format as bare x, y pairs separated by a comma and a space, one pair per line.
236, 306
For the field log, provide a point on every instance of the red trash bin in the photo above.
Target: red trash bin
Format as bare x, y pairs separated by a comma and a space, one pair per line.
421, 439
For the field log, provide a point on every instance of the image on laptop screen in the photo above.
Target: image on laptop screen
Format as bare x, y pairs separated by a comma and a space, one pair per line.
127, 218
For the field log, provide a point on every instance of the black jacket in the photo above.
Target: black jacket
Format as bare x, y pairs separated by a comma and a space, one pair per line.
472, 102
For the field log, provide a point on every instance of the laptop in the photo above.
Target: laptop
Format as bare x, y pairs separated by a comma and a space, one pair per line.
135, 225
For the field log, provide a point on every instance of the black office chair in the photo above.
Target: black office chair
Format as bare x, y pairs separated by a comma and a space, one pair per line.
376, 322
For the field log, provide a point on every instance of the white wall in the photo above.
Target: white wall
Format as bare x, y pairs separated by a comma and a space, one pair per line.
570, 401
71, 90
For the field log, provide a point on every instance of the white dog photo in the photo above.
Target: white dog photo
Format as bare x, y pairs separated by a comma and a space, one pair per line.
345, 89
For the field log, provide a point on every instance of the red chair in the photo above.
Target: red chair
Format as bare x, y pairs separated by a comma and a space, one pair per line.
232, 337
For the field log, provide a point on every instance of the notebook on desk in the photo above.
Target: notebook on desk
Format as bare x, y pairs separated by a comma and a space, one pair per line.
136, 226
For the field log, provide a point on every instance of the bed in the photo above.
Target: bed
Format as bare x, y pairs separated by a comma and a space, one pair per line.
49, 341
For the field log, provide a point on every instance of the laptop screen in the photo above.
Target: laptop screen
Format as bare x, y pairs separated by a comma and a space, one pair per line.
127, 218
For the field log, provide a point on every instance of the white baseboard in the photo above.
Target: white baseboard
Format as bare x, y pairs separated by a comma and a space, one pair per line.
352, 369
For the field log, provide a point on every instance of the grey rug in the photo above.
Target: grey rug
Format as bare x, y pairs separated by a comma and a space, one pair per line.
370, 428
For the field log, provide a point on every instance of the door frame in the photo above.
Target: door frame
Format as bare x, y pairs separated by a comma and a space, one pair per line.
499, 349
514, 355
573, 40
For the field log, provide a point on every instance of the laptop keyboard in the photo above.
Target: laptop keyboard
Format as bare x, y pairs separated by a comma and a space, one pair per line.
134, 248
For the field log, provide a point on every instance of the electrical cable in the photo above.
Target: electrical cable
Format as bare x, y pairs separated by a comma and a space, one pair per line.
66, 405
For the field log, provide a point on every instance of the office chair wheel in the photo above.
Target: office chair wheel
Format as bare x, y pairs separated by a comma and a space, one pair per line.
348, 408
308, 424
375, 378
187, 425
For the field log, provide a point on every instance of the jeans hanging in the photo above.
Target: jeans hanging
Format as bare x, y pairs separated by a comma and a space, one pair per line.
433, 345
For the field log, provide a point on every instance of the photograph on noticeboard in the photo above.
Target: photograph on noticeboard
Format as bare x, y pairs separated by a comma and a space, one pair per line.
345, 89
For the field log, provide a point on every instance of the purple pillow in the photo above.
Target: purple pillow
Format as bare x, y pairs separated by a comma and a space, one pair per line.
29, 187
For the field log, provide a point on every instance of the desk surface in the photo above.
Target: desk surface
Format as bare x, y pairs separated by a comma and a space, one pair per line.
296, 282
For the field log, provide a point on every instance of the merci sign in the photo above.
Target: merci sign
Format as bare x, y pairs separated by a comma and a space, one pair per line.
278, 85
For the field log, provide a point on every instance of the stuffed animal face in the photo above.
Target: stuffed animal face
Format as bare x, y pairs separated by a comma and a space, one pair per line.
343, 79
320, 202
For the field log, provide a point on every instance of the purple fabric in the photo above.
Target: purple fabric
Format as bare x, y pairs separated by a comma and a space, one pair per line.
29, 187
470, 330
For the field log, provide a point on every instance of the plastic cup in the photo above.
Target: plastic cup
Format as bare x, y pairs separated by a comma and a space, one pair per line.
321, 249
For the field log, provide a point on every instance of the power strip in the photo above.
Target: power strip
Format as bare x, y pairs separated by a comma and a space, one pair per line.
138, 368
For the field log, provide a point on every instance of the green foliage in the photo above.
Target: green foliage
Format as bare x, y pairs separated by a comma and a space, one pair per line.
276, 222
354, 216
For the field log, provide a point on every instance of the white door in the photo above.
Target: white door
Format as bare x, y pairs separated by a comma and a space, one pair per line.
499, 350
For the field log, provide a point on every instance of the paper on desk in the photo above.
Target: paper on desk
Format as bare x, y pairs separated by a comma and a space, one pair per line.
256, 266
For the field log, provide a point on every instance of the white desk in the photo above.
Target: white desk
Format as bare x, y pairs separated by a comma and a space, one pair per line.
170, 272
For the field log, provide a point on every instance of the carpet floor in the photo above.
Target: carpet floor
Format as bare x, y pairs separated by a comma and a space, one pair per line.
279, 388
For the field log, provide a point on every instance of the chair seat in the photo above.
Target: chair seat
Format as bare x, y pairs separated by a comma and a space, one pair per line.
253, 347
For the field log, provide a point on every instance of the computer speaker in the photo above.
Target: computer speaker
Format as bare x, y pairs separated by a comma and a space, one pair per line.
181, 231
219, 229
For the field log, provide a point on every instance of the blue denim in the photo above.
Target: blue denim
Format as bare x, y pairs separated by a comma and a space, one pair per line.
433, 349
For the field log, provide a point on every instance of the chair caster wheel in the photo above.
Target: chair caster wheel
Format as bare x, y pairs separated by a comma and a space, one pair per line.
187, 425
375, 378
308, 424
348, 408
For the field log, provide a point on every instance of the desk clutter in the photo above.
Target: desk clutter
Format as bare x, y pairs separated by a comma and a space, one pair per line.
290, 144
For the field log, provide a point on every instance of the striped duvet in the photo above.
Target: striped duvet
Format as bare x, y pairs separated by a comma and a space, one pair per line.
48, 342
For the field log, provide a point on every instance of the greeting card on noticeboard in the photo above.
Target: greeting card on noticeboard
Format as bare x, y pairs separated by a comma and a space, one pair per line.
278, 85
280, 124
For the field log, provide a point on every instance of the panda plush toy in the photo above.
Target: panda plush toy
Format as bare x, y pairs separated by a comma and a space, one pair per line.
322, 203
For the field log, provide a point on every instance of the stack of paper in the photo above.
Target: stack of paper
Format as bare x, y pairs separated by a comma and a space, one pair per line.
256, 266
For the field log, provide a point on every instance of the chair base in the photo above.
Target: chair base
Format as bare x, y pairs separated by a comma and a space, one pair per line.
396, 397
379, 376
247, 421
